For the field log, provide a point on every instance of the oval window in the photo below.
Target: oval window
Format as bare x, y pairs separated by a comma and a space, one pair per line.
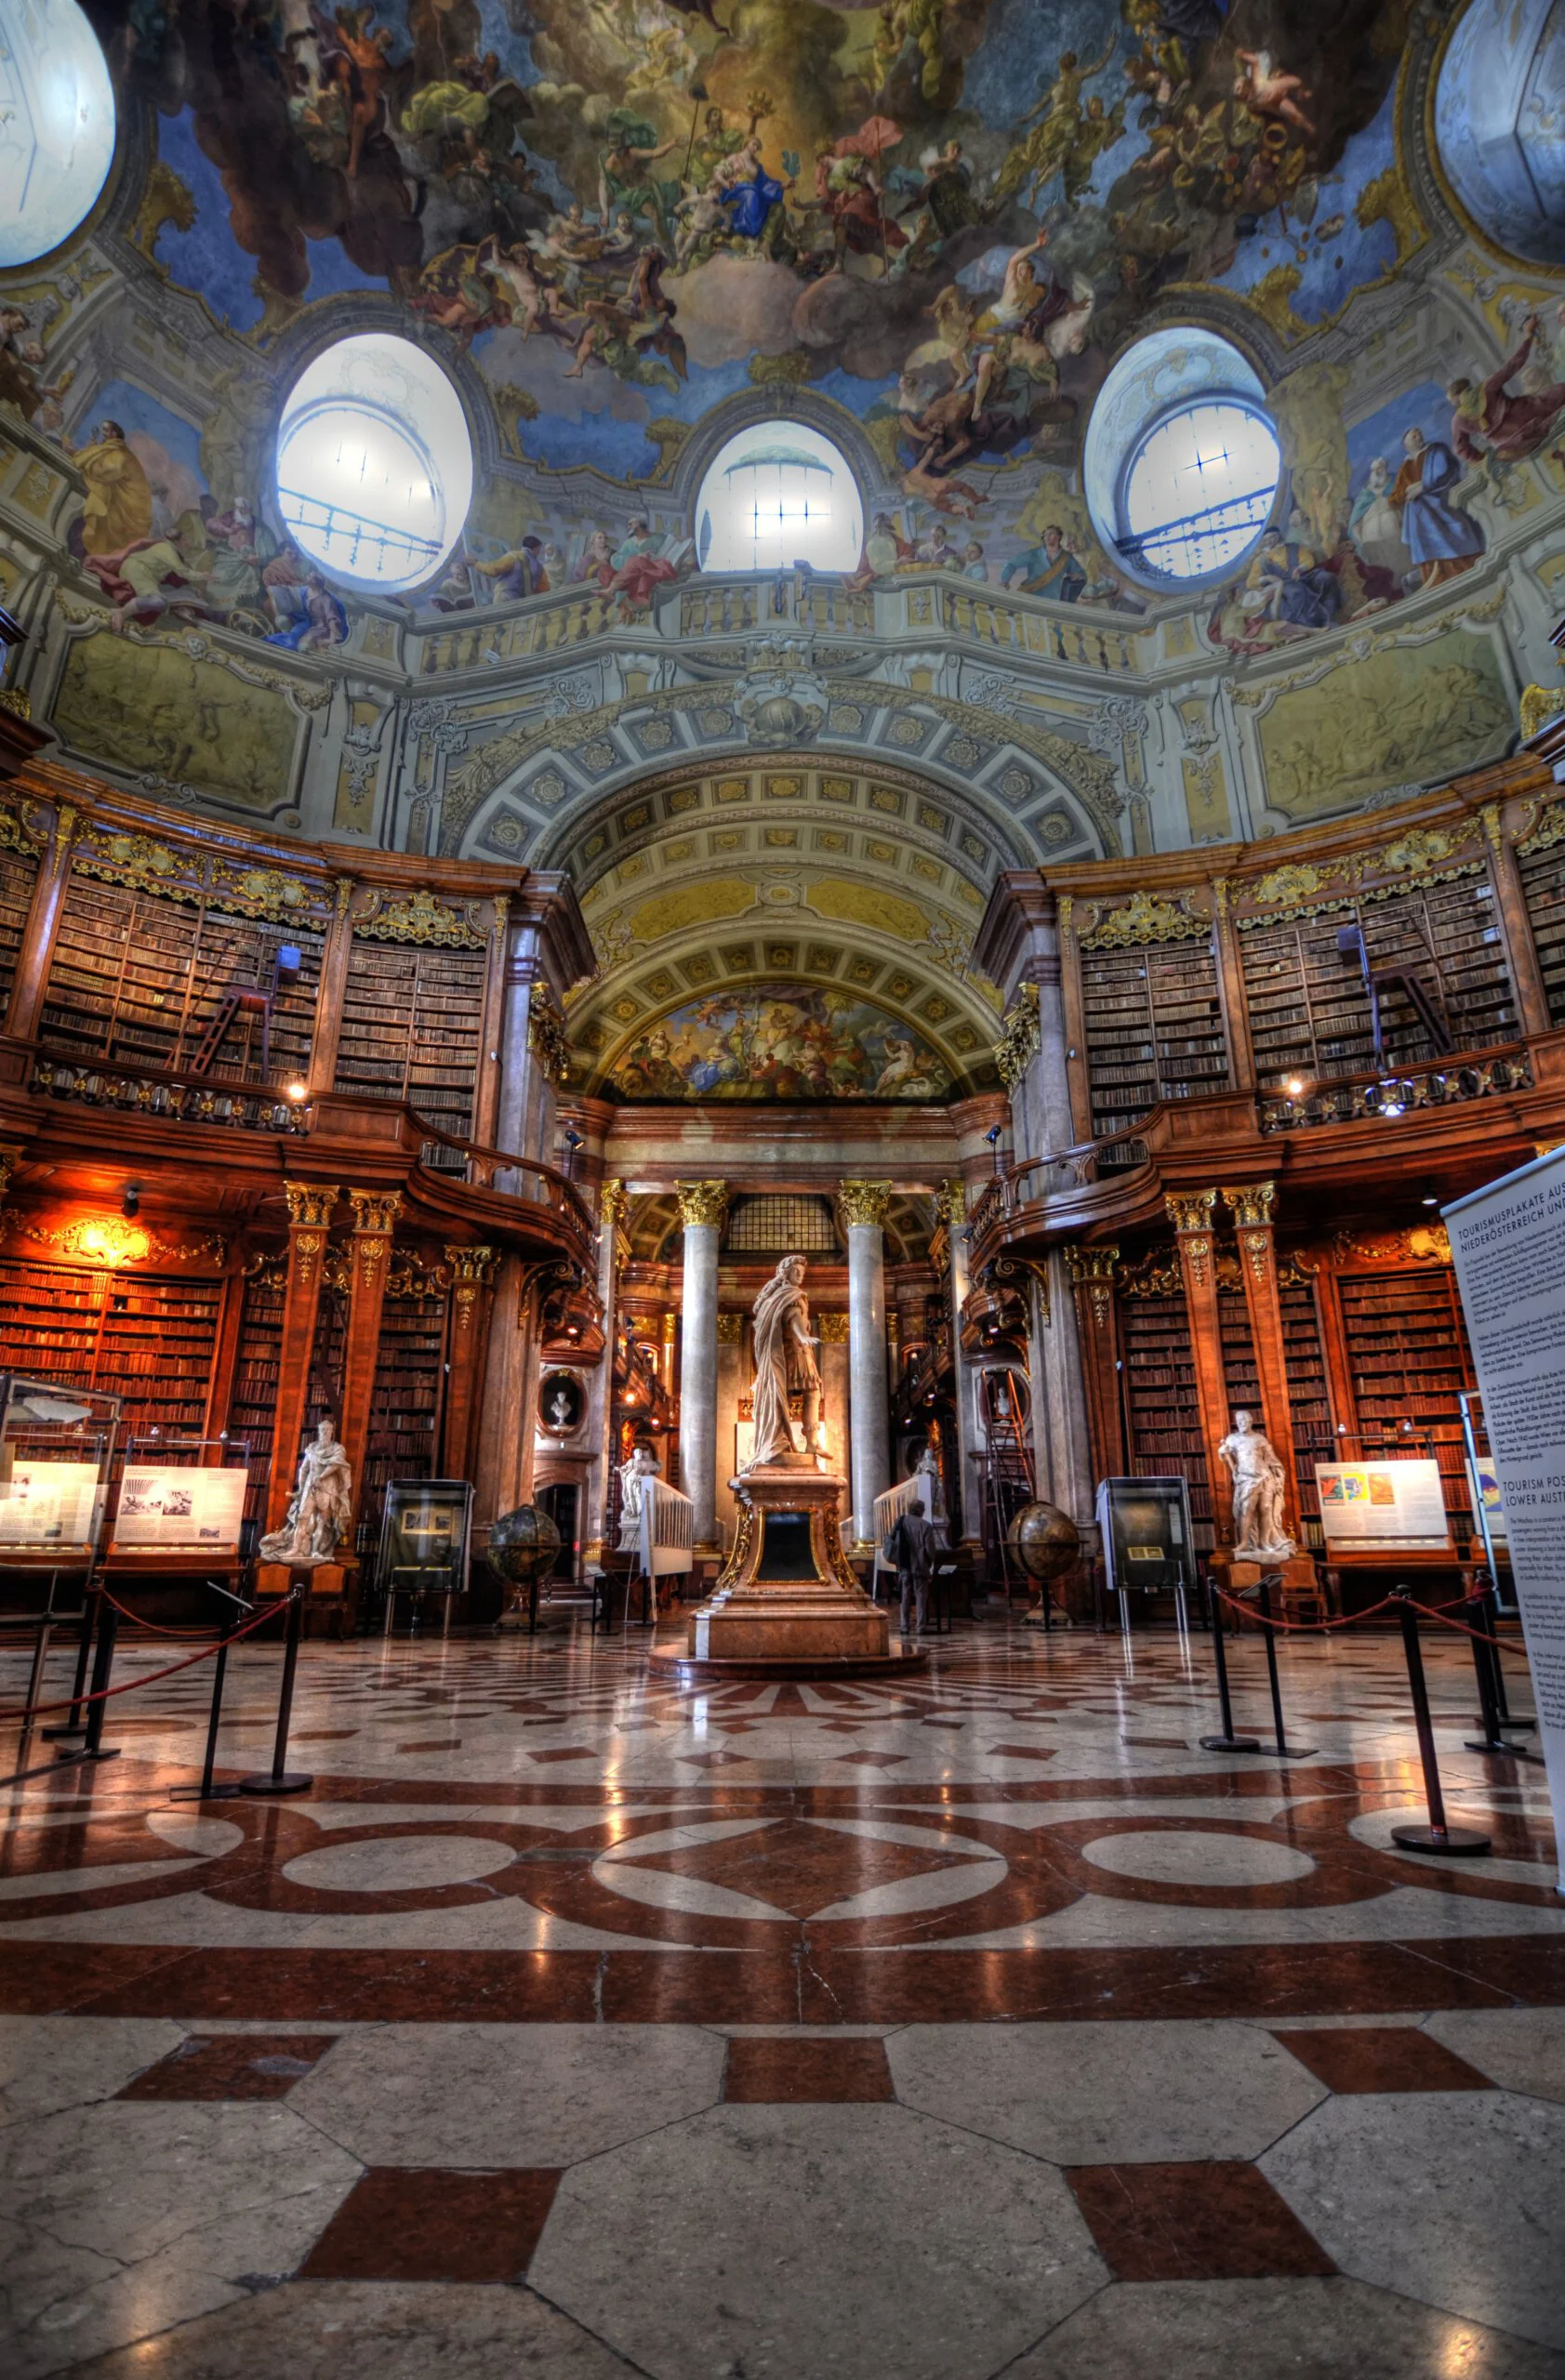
375, 463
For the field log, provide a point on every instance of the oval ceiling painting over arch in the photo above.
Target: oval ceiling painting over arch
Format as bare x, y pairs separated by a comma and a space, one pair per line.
778, 1040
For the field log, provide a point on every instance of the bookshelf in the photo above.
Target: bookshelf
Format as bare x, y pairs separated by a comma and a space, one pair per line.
1309, 1013
253, 1404
406, 1404
1161, 1413
135, 979
18, 876
1153, 1026
1308, 1398
149, 1338
1407, 1350
1543, 887
412, 1021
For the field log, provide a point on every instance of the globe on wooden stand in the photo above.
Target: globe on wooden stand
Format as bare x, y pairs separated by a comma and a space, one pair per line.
522, 1546
1044, 1541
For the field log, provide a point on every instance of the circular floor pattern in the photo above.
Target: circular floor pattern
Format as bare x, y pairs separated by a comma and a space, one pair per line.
398, 1864
1194, 1857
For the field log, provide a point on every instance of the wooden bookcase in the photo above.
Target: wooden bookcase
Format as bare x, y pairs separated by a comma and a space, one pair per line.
1153, 1026
148, 1338
1308, 1398
1308, 1010
412, 1029
404, 1440
253, 1404
1407, 1352
1543, 886
19, 873
137, 980
1163, 1417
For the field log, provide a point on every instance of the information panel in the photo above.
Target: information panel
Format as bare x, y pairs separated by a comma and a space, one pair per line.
175, 1508
1394, 1507
49, 1504
1508, 1241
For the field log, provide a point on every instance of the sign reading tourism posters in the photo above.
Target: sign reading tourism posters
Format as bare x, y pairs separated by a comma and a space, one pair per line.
1509, 1242
1394, 1507
180, 1507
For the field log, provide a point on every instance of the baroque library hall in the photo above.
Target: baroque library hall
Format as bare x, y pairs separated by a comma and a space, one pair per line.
782, 1189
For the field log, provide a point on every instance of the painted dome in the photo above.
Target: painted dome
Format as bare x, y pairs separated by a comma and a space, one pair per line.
1500, 124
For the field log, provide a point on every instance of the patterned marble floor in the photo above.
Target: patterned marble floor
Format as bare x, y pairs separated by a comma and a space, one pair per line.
575, 2023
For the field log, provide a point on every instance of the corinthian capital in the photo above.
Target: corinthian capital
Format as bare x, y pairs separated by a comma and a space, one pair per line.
1190, 1209
864, 1202
1251, 1204
701, 1202
310, 1202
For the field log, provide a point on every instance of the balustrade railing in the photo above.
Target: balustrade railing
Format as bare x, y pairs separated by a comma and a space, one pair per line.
1391, 1093
185, 1099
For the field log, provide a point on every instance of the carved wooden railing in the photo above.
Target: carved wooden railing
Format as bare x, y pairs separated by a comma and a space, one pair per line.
1387, 1093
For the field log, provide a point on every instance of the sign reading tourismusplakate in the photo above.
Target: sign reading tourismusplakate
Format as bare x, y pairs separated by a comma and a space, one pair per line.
1509, 1242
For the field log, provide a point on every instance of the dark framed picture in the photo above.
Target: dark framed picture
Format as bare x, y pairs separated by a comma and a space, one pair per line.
561, 1404
424, 1530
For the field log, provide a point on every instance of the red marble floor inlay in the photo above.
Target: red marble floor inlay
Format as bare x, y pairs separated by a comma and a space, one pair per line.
412, 2222
795, 1866
1382, 2057
231, 2065
1023, 1752
797, 2070
1199, 2222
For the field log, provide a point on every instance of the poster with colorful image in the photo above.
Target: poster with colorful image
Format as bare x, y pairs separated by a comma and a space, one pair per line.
179, 1506
1396, 1507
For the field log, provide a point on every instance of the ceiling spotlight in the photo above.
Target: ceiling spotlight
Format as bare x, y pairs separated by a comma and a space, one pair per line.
1431, 1202
298, 1091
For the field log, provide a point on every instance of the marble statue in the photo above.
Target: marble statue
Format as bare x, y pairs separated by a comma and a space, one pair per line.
643, 1465
785, 1361
322, 1512
1260, 1483
561, 1409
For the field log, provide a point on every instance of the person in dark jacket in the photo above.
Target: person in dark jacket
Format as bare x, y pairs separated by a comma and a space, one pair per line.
912, 1548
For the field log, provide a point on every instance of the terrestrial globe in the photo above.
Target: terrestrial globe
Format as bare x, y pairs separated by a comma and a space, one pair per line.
1045, 1540
523, 1545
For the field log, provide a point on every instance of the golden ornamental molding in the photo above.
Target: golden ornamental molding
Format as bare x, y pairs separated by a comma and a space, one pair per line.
108, 1242
1539, 705
374, 1211
311, 1203
702, 1206
1144, 917
1190, 1209
18, 834
1021, 1037
545, 1036
1550, 830
476, 1265
1092, 1271
1251, 1204
865, 1203
1420, 1244
950, 1201
730, 1329
833, 1328
613, 1201
422, 918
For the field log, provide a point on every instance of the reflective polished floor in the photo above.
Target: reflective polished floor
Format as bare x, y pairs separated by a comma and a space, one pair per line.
580, 2025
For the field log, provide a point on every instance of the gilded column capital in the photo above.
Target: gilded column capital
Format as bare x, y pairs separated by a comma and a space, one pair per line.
374, 1211
950, 1201
1190, 1209
613, 1201
475, 1265
702, 1203
310, 1202
668, 1330
1251, 1204
864, 1202
1092, 1269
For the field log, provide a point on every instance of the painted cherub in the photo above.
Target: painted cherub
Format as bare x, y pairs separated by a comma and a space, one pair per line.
1267, 91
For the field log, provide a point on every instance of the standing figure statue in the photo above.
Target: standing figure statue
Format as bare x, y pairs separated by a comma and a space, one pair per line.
1260, 1483
633, 1475
322, 1512
785, 1361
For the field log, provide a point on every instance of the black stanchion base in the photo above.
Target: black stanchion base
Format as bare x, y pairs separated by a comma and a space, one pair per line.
1449, 1843
1522, 1727
1506, 1751
106, 1752
204, 1794
292, 1781
1230, 1744
58, 1735
1290, 1751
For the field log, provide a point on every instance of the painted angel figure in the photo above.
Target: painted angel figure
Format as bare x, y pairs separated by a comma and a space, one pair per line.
785, 1361
322, 1512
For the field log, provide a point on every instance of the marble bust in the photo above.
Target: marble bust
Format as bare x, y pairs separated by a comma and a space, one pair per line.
1259, 1484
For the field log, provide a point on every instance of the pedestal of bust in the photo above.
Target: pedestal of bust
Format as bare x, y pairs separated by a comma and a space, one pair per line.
786, 1601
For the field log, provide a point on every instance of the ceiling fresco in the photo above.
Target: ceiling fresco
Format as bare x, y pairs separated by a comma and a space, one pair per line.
944, 213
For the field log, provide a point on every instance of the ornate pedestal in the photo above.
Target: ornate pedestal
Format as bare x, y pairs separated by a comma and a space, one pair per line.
787, 1603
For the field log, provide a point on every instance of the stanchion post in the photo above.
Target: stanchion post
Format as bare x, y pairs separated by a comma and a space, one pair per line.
1491, 1689
1446, 1841
73, 1724
1284, 1751
279, 1779
1227, 1741
103, 1666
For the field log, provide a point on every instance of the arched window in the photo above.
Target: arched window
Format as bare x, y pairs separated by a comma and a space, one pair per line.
1199, 488
1181, 462
57, 126
374, 462
779, 493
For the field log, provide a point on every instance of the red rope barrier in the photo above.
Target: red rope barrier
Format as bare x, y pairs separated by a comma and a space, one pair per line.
181, 1635
1352, 1620
34, 1710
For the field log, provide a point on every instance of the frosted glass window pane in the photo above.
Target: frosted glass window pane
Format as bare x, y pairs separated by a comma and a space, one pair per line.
57, 126
1201, 488
375, 463
777, 494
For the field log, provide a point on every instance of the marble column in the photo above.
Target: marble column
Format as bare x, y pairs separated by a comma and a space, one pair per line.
950, 1205
863, 1206
701, 1206
613, 1200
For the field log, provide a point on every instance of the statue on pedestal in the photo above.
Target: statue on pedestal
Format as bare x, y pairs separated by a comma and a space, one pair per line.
643, 1465
1260, 1484
322, 1512
785, 1361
